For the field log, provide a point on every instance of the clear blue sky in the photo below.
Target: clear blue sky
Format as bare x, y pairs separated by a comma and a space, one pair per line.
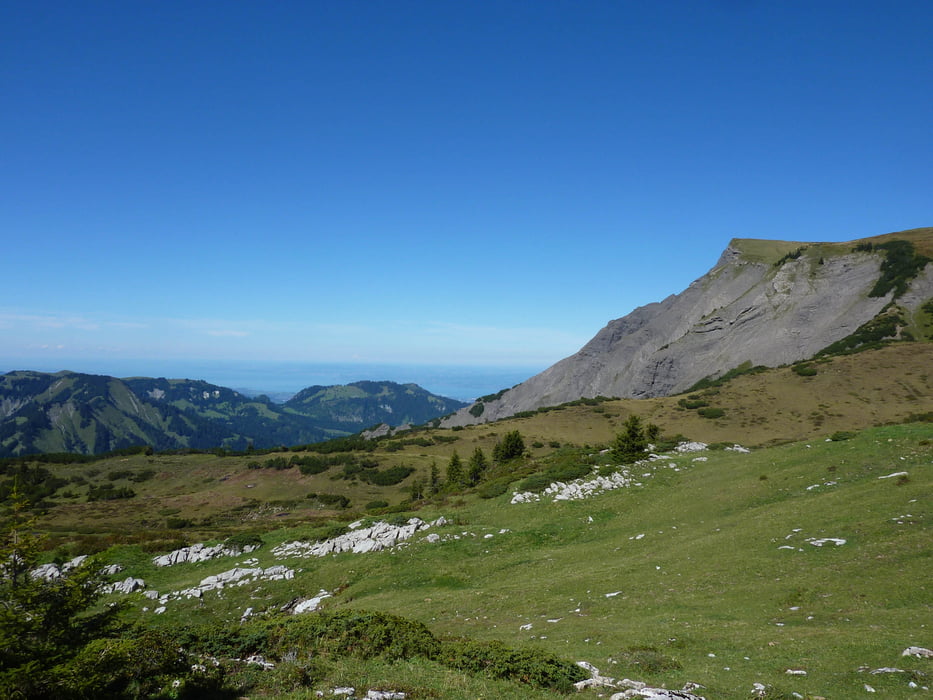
438, 182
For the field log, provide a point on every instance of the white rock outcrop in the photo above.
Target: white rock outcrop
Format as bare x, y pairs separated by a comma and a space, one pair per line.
126, 586
359, 540
918, 652
200, 552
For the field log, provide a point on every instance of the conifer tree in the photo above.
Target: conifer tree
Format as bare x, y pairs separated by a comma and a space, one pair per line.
477, 467
454, 471
509, 447
631, 443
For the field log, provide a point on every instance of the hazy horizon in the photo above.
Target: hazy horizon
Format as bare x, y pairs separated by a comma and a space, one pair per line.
463, 382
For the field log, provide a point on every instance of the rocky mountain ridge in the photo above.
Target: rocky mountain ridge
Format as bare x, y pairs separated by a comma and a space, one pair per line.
766, 303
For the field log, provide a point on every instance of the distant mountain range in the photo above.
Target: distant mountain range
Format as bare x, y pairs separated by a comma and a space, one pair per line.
765, 303
92, 414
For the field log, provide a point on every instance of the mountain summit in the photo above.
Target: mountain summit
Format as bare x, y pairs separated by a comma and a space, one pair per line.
764, 303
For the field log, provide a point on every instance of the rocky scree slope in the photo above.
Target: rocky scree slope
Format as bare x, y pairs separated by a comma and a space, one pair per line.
764, 303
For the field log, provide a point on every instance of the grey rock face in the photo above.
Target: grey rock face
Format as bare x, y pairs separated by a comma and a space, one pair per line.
743, 310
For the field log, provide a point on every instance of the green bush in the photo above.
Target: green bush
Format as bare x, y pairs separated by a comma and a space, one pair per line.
311, 464
330, 499
804, 370
494, 488
125, 667
535, 483
277, 463
901, 264
377, 505
144, 475
711, 412
880, 330
355, 633
531, 666
793, 255
509, 447
108, 492
387, 477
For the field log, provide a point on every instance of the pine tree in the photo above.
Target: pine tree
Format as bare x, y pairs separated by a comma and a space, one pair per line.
509, 447
454, 471
630, 444
477, 467
43, 623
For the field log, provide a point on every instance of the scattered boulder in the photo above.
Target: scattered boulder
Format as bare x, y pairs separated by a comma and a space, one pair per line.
126, 586
200, 552
310, 604
918, 652
259, 660
359, 540
838, 541
691, 447
656, 694
53, 571
892, 475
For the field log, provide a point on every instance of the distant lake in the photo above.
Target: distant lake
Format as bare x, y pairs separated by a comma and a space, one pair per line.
459, 382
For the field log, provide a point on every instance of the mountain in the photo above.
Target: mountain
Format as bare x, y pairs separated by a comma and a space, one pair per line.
353, 407
765, 303
93, 414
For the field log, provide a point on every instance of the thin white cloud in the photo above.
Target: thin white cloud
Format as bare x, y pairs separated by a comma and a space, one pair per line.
228, 333
47, 320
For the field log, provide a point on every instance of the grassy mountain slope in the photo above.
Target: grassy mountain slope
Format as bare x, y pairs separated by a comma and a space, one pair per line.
353, 407
92, 414
703, 573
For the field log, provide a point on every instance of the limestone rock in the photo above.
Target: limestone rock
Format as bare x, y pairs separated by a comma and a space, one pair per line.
359, 540
200, 552
918, 652
751, 307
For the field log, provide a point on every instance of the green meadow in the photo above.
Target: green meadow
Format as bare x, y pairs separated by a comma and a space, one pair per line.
808, 554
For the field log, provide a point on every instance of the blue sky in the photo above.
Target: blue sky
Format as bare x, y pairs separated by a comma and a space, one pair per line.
470, 183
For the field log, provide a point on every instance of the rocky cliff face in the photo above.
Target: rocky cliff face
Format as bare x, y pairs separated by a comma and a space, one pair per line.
764, 302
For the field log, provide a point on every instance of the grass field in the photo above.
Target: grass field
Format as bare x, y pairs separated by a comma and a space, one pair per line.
721, 568
704, 574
